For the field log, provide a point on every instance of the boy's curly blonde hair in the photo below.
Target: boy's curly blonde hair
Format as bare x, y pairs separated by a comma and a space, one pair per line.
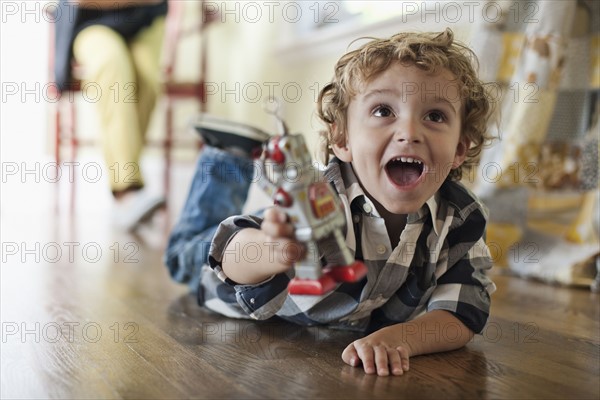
427, 51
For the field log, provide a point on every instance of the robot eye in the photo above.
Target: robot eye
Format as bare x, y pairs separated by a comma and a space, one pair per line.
283, 198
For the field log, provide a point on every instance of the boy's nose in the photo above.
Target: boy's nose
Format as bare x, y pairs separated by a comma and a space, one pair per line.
408, 131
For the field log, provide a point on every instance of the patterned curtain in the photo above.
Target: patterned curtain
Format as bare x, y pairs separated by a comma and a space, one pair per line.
540, 179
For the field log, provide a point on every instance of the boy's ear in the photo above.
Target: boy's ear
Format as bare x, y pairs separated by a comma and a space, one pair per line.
461, 152
342, 152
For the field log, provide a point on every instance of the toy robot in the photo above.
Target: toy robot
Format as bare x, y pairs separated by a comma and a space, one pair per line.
288, 176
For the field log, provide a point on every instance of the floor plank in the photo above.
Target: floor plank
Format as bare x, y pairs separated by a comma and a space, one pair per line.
116, 326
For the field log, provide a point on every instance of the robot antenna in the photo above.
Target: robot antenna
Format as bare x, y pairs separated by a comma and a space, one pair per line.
272, 106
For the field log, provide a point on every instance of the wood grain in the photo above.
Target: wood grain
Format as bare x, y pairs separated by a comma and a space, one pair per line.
120, 329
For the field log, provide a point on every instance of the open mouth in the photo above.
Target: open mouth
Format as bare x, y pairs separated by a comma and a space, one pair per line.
404, 171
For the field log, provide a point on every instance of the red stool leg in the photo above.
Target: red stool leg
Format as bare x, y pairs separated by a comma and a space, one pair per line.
57, 137
74, 144
168, 144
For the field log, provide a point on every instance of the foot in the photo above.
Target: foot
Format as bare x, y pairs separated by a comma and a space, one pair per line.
231, 136
135, 208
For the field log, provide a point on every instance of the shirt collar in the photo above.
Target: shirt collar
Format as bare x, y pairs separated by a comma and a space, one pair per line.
433, 203
355, 193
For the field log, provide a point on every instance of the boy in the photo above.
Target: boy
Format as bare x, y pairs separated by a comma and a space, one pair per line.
404, 116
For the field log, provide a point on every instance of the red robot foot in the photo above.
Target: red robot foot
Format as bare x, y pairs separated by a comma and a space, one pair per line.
315, 287
348, 273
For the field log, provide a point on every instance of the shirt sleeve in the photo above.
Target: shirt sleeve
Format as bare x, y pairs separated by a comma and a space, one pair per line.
463, 288
262, 300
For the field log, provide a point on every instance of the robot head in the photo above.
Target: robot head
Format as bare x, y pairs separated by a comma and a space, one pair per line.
290, 150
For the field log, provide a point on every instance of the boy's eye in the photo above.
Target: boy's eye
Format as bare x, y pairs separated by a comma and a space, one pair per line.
435, 116
382, 111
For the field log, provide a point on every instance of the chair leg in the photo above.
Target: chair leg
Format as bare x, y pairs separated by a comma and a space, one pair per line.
74, 143
168, 144
57, 134
57, 144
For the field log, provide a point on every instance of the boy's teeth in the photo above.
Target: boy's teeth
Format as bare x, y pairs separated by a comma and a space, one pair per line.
409, 160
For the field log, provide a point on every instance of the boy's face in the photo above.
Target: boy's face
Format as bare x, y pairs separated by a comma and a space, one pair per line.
404, 136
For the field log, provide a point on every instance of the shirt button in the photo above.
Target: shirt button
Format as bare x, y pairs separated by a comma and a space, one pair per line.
356, 219
381, 249
367, 208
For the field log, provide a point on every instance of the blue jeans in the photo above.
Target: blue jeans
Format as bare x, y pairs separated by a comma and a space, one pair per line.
219, 190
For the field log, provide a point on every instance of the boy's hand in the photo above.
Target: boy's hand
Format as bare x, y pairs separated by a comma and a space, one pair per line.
279, 230
278, 250
380, 353
389, 348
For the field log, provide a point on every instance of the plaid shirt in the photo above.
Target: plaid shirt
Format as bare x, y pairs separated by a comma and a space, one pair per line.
439, 263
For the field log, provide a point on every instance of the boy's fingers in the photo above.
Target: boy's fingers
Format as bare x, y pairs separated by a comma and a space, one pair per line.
275, 224
277, 229
274, 214
381, 360
395, 362
367, 356
288, 252
377, 359
350, 356
294, 251
404, 357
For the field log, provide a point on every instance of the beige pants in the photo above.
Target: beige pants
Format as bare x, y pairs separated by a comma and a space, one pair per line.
128, 75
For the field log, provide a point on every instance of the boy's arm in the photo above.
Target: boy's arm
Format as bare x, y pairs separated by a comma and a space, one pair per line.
254, 255
387, 351
243, 269
457, 308
434, 332
464, 288
273, 250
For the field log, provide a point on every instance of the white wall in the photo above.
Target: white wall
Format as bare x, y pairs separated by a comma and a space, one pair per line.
255, 49
284, 52
23, 75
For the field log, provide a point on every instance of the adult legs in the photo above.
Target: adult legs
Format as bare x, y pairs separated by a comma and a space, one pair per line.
108, 67
128, 77
146, 51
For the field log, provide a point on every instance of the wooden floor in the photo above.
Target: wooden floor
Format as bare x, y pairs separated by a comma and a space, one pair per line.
90, 313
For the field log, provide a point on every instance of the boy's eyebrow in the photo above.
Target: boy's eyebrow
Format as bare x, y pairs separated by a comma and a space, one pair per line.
375, 92
438, 99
